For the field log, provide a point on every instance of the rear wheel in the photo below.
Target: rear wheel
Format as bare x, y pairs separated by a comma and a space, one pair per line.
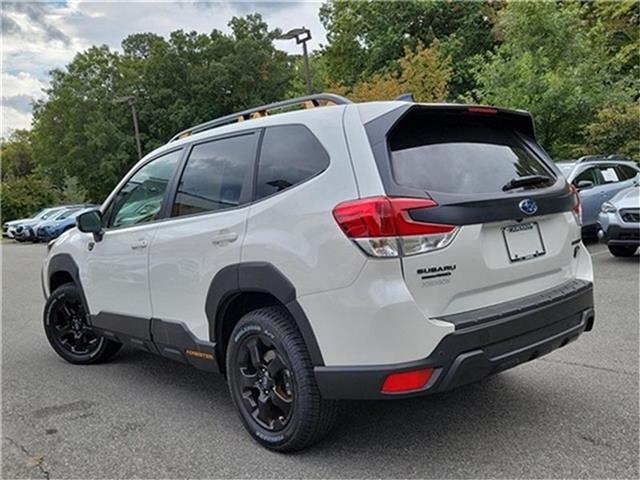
272, 383
68, 333
622, 250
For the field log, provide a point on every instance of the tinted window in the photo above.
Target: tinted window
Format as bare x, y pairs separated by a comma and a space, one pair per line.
290, 155
215, 175
140, 200
589, 175
454, 157
626, 172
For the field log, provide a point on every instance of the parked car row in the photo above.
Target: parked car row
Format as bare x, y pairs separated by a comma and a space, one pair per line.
45, 225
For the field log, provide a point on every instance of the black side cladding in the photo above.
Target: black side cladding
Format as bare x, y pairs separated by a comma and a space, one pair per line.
261, 277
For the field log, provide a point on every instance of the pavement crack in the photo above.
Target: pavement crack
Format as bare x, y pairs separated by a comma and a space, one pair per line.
586, 365
32, 460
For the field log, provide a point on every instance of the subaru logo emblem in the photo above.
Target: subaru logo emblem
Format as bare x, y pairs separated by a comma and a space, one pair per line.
528, 206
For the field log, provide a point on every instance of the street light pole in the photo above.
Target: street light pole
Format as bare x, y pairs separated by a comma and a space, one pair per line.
130, 99
302, 36
135, 127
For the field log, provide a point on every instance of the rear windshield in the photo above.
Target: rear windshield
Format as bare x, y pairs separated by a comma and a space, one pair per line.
459, 155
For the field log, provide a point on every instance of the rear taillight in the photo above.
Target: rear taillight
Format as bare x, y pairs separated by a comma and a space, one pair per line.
577, 209
382, 227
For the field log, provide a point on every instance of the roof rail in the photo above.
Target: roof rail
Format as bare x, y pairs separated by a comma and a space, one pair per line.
261, 111
405, 97
590, 158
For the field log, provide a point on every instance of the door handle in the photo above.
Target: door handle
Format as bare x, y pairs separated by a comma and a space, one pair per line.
225, 237
139, 245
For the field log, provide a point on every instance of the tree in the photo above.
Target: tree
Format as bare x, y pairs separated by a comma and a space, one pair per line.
551, 64
615, 130
424, 72
82, 131
17, 155
24, 196
366, 38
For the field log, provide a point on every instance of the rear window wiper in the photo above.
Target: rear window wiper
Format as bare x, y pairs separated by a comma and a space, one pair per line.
526, 181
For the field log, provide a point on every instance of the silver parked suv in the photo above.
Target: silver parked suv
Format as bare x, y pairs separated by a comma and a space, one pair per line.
353, 251
598, 179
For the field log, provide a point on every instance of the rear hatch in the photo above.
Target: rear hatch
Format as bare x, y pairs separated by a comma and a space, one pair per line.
512, 219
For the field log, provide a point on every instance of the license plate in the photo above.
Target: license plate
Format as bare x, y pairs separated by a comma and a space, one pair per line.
523, 241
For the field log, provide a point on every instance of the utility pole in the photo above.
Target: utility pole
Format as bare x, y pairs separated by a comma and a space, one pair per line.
302, 36
131, 100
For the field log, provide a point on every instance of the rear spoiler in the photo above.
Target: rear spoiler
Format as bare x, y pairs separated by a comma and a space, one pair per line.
519, 120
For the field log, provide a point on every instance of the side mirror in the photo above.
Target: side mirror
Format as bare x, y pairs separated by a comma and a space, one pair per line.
582, 184
91, 222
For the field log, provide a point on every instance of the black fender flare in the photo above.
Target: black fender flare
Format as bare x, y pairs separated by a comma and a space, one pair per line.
261, 277
63, 262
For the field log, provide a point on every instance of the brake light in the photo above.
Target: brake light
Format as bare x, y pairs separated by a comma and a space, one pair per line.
577, 209
407, 381
382, 226
483, 110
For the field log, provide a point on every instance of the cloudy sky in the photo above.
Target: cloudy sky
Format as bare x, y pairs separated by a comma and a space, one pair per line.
39, 36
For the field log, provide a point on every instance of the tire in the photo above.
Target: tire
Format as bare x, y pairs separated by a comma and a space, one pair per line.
67, 331
622, 250
308, 417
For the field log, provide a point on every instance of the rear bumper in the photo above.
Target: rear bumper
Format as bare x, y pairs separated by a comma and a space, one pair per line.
502, 336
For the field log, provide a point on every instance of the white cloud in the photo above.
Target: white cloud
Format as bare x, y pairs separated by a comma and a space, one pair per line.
13, 119
38, 37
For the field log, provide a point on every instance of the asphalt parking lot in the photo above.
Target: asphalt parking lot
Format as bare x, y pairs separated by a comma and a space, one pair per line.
573, 413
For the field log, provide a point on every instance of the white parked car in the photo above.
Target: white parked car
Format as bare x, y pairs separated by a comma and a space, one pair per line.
353, 251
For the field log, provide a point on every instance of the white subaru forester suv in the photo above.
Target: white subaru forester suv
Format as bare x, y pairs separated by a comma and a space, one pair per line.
354, 251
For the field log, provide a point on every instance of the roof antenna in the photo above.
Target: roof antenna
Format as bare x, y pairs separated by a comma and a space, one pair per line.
405, 97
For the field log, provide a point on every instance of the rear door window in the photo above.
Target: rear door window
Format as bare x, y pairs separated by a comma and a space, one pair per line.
290, 155
454, 157
609, 174
215, 175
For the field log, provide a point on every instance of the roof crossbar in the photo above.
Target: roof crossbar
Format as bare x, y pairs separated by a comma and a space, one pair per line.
261, 111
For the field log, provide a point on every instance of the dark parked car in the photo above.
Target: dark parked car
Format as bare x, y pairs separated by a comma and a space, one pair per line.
52, 229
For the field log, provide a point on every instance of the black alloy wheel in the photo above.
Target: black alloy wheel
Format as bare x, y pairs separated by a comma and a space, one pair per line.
70, 328
272, 382
266, 382
65, 324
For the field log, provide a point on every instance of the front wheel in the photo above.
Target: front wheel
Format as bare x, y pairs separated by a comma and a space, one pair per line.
622, 250
67, 330
272, 383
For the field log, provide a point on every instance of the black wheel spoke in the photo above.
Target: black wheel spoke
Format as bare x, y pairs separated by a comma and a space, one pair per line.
275, 366
265, 411
255, 355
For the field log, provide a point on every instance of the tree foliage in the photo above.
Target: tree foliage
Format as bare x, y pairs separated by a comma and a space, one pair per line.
24, 196
84, 129
553, 65
367, 37
425, 73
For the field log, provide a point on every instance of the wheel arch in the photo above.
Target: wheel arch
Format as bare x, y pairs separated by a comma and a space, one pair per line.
63, 269
240, 288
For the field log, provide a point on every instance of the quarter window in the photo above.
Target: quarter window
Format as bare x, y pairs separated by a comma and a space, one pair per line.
626, 172
140, 200
215, 174
290, 155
